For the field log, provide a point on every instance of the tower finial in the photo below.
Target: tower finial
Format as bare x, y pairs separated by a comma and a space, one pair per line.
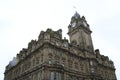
76, 15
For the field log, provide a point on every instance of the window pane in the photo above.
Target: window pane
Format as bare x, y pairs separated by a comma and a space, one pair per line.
59, 76
52, 76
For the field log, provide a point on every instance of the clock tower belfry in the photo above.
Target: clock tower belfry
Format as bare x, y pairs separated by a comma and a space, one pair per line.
80, 33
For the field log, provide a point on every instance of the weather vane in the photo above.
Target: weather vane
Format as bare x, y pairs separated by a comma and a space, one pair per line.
75, 8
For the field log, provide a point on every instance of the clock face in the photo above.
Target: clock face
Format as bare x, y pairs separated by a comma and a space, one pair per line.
73, 24
85, 24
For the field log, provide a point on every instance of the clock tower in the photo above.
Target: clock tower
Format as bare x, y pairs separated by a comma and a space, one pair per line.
80, 33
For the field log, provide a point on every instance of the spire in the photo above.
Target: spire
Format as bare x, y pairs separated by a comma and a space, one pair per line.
76, 15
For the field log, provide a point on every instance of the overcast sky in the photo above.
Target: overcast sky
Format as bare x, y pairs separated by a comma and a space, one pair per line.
22, 20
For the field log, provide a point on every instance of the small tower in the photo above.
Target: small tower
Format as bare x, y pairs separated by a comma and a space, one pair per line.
80, 33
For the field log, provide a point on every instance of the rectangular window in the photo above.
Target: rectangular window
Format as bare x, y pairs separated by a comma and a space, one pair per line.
76, 66
82, 65
37, 60
55, 76
56, 60
63, 63
70, 77
91, 63
49, 60
50, 51
92, 70
70, 65
41, 59
58, 76
52, 76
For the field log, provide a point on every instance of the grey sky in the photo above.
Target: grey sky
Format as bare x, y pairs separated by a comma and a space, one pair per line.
22, 20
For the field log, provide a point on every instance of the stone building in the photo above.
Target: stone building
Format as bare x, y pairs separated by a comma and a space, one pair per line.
53, 58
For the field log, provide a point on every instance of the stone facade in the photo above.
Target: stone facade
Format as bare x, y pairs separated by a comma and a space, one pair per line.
53, 58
